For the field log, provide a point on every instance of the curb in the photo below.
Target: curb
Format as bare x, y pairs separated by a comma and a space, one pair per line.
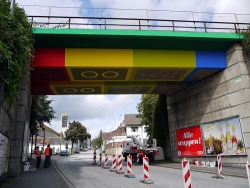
67, 181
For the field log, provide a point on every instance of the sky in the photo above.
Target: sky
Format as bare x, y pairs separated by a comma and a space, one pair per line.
105, 112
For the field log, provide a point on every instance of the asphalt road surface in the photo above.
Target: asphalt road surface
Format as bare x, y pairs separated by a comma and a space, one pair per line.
80, 173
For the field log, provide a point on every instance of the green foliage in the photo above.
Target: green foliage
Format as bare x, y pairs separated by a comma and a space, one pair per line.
246, 41
97, 141
145, 109
16, 48
41, 112
76, 131
160, 129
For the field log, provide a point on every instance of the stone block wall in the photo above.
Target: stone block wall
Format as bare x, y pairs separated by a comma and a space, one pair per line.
12, 124
223, 95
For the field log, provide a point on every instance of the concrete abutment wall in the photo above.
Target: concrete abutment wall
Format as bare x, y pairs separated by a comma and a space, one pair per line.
223, 95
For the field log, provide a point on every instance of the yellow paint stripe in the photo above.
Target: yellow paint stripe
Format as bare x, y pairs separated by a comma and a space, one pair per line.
164, 58
105, 58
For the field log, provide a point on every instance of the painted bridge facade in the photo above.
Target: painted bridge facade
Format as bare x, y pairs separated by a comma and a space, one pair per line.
104, 60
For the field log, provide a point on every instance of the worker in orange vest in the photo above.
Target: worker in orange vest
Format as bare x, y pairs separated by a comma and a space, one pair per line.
47, 157
38, 157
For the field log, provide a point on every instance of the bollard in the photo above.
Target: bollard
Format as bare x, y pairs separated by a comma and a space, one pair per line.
94, 158
119, 171
248, 173
113, 168
100, 159
129, 168
137, 158
186, 174
106, 162
146, 179
219, 176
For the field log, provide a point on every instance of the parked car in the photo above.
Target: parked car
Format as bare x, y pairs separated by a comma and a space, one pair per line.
76, 150
85, 149
64, 153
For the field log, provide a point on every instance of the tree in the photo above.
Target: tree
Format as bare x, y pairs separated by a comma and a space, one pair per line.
75, 132
145, 109
41, 112
16, 49
98, 140
160, 128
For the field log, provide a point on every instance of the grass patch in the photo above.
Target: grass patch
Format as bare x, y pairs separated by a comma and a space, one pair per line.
6, 180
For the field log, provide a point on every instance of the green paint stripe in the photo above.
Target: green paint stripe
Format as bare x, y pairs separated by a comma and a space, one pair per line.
136, 33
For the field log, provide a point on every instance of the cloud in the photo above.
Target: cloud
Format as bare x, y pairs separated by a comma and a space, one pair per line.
95, 112
105, 112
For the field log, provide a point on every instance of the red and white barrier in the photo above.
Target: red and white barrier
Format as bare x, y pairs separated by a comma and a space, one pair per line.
106, 161
119, 171
137, 158
248, 172
113, 168
146, 179
186, 174
100, 159
219, 176
94, 158
145, 168
219, 165
129, 167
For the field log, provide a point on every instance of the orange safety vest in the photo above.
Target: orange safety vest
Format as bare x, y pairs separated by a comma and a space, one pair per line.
47, 151
38, 153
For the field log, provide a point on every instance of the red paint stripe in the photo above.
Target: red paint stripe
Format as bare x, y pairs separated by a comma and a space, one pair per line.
130, 165
49, 57
145, 167
184, 163
187, 176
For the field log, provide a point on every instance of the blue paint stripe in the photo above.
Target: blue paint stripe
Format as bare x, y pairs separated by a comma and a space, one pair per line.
208, 60
211, 59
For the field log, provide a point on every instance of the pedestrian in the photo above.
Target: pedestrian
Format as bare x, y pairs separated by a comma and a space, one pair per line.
38, 157
47, 157
50, 153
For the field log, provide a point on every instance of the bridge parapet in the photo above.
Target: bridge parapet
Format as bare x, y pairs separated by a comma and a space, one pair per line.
136, 19
105, 23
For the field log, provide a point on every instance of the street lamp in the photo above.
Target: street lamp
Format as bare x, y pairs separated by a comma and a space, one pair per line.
12, 7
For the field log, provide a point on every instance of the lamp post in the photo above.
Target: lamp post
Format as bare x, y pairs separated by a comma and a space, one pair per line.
12, 7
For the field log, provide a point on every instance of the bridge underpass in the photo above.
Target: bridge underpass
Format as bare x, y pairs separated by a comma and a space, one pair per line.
204, 74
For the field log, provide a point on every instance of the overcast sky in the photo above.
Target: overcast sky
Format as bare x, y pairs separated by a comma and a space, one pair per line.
105, 112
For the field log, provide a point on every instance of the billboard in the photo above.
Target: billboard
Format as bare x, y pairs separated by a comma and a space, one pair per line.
189, 141
223, 137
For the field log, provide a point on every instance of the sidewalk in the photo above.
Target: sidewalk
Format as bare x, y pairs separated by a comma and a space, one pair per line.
37, 178
226, 171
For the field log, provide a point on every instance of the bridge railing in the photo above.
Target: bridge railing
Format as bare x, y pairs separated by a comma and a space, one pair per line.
135, 24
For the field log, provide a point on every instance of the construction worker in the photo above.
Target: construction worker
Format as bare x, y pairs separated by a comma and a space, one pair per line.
38, 157
47, 157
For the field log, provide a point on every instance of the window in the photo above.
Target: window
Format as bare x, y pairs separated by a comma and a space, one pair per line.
134, 129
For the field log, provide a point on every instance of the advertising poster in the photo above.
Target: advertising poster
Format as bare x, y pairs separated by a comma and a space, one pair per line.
224, 137
189, 142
